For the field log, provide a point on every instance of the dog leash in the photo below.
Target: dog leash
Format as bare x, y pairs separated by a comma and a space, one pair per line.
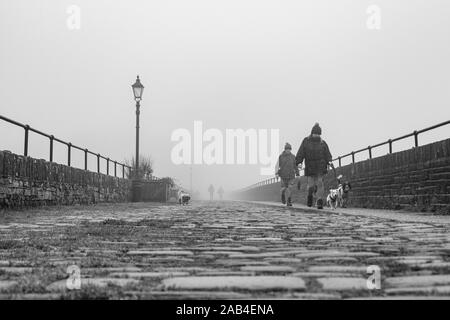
335, 175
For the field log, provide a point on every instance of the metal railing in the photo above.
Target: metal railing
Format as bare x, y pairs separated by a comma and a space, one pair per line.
389, 142
150, 177
69, 145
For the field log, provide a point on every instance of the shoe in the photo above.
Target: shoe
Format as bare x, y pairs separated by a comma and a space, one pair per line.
283, 198
310, 200
320, 204
289, 202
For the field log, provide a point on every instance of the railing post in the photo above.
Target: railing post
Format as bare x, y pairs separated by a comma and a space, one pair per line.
390, 145
98, 162
115, 168
85, 158
51, 148
69, 147
107, 166
353, 157
25, 147
370, 151
416, 138
123, 171
340, 162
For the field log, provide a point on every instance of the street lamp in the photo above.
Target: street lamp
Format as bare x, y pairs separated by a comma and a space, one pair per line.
138, 89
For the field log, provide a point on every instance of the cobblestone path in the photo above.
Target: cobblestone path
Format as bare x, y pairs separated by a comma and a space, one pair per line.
218, 250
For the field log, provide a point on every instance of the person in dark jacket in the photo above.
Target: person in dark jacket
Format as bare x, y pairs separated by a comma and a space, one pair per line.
287, 170
316, 154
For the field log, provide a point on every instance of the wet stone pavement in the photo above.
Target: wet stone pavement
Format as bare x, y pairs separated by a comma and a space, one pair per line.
218, 250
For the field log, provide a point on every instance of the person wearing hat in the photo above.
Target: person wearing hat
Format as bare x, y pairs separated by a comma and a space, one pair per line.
287, 170
316, 154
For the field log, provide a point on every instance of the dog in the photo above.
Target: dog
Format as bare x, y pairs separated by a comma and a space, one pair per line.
345, 191
346, 187
334, 198
183, 197
339, 197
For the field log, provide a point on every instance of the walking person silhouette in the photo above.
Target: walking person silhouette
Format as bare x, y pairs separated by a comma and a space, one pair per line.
287, 170
220, 192
316, 154
211, 192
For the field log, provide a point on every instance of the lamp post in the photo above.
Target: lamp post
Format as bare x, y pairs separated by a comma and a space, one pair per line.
138, 89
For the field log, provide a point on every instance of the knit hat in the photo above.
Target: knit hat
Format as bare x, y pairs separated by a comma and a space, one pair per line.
287, 146
316, 129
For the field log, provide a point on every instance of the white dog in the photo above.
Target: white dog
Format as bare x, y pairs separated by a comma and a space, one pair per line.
335, 197
183, 197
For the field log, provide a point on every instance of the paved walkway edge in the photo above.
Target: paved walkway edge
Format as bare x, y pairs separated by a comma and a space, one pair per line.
404, 216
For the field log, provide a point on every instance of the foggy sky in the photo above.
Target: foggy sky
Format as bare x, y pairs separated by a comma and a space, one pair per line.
230, 64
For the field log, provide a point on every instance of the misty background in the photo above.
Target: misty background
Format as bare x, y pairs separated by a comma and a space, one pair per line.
230, 64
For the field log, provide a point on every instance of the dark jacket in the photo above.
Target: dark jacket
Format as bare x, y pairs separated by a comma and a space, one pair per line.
286, 164
316, 154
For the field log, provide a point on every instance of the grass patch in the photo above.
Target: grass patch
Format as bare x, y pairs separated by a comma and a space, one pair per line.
90, 292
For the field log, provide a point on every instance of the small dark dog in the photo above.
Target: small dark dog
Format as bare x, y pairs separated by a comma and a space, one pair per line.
346, 187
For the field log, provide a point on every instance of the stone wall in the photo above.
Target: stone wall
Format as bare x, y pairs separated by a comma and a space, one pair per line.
155, 191
417, 179
28, 182
149, 190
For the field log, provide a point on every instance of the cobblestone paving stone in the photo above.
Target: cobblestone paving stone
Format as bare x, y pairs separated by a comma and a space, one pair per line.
220, 250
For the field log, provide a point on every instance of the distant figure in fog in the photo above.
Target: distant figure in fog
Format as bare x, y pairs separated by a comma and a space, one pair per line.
287, 170
211, 192
316, 154
220, 192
